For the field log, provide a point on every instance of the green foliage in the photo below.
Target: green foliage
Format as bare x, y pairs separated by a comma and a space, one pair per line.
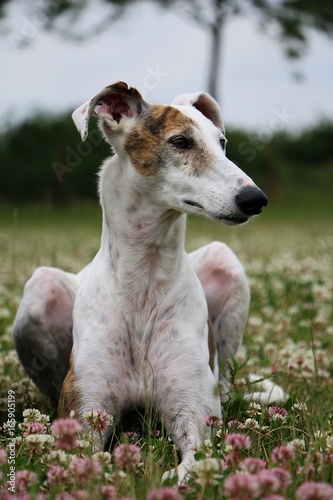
312, 148
44, 160
288, 166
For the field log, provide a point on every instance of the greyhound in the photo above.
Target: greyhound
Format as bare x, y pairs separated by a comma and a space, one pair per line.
133, 328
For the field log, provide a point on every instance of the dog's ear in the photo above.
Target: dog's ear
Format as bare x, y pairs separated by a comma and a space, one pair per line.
112, 104
204, 103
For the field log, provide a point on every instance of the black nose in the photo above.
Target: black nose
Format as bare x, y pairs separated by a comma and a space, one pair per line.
251, 200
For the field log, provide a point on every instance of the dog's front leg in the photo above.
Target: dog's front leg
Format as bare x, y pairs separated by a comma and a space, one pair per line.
185, 394
82, 397
188, 436
188, 431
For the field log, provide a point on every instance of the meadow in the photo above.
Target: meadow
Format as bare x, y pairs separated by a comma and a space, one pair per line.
283, 451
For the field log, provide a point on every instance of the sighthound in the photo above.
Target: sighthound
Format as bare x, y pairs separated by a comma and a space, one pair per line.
137, 315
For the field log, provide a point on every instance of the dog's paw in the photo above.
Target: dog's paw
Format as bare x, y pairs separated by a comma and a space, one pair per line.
267, 392
180, 472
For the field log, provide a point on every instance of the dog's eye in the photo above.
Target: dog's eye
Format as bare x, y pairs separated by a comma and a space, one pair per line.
223, 142
181, 142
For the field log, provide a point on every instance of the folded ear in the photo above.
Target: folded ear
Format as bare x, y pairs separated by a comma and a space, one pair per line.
205, 104
113, 103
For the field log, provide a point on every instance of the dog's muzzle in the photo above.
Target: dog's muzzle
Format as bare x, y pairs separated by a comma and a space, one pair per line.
251, 200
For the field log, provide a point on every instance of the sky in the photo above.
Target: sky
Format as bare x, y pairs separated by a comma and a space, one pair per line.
163, 53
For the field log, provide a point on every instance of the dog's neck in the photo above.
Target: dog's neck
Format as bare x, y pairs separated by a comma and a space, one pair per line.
143, 242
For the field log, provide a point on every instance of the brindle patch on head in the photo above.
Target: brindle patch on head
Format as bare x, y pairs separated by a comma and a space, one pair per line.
149, 148
146, 143
162, 120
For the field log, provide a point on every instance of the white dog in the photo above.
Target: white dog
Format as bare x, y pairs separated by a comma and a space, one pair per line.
141, 335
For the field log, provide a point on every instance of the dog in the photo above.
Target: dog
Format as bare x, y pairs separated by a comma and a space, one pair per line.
132, 329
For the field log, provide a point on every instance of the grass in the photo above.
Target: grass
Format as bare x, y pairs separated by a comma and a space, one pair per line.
288, 259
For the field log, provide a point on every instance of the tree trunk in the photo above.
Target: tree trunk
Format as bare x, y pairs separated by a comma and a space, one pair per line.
215, 58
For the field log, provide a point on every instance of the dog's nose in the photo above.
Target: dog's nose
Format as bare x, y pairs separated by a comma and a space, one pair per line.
251, 200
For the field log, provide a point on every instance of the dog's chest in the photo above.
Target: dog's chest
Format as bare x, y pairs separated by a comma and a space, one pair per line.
137, 351
142, 330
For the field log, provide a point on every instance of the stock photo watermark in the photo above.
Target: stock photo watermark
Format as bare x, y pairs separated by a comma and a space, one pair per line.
75, 155
48, 351
11, 445
30, 27
153, 77
257, 142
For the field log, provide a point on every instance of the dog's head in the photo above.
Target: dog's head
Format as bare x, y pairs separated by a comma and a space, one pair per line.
182, 146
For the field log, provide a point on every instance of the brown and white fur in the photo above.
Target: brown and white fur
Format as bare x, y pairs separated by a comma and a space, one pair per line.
138, 312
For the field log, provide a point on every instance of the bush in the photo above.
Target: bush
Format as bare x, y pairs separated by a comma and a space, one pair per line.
44, 160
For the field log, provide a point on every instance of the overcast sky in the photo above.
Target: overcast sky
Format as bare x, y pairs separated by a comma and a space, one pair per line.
165, 54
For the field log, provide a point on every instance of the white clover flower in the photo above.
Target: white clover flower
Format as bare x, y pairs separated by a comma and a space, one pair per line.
270, 349
251, 423
58, 457
35, 443
109, 478
207, 447
82, 443
260, 340
219, 433
324, 373
207, 464
329, 444
279, 418
207, 443
322, 292
18, 441
268, 311
241, 382
98, 419
104, 457
228, 448
320, 435
121, 474
300, 407
297, 444
44, 419
254, 409
5, 381
11, 361
32, 415
321, 357
4, 313
7, 428
266, 372
242, 354
255, 322
207, 471
39, 438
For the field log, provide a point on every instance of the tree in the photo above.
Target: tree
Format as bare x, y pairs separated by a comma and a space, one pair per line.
290, 21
